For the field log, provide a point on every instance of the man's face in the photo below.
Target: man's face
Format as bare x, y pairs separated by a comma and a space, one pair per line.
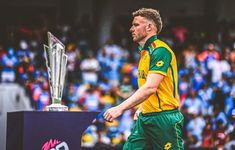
138, 29
211, 46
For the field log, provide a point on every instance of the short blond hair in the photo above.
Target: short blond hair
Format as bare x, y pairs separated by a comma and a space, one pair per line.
150, 14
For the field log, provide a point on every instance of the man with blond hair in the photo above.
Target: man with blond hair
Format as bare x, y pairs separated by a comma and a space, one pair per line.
159, 121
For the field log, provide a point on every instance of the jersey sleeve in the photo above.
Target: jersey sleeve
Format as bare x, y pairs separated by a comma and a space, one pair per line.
160, 60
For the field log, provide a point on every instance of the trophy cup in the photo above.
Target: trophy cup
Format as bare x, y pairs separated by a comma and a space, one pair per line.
56, 62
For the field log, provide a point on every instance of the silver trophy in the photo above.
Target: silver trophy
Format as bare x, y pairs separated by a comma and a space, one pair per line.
56, 62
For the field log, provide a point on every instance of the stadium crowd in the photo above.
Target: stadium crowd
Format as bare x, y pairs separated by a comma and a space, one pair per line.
99, 79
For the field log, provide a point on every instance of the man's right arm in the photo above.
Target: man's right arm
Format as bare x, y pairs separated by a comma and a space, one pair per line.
149, 88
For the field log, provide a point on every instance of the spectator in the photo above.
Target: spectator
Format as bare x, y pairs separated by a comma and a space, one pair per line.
220, 135
71, 96
195, 126
205, 94
90, 67
207, 137
73, 58
192, 102
9, 62
190, 56
231, 144
91, 99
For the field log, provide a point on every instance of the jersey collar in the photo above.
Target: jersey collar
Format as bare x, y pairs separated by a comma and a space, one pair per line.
147, 43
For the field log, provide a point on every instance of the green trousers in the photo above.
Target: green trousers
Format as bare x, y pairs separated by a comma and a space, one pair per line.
157, 131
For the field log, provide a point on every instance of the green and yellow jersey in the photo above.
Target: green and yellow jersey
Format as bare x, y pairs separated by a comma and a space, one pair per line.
157, 57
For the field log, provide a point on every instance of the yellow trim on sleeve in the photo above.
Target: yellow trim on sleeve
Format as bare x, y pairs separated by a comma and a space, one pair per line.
156, 71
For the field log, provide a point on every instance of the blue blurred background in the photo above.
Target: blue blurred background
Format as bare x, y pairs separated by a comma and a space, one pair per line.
102, 63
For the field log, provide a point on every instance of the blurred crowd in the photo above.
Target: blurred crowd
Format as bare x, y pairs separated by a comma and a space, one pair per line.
99, 78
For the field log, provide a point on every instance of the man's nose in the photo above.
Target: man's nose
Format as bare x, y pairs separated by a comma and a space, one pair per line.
131, 29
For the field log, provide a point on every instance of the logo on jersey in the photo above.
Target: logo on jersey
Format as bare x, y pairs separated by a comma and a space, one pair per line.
167, 146
141, 74
160, 63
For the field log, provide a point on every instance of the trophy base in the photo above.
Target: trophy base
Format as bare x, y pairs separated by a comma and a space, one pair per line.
56, 107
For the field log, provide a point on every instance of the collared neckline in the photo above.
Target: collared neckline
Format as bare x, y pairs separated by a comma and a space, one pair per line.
147, 43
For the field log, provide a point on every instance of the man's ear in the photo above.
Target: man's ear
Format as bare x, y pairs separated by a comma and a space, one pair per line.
149, 27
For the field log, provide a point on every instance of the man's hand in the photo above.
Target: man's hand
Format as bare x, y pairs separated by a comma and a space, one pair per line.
136, 115
112, 113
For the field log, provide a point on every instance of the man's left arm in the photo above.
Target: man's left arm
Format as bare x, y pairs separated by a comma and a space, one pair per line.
149, 88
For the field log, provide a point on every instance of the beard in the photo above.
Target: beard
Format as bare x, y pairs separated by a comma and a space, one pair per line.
139, 37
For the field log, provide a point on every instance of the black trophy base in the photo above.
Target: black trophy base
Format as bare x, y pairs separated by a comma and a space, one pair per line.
32, 130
